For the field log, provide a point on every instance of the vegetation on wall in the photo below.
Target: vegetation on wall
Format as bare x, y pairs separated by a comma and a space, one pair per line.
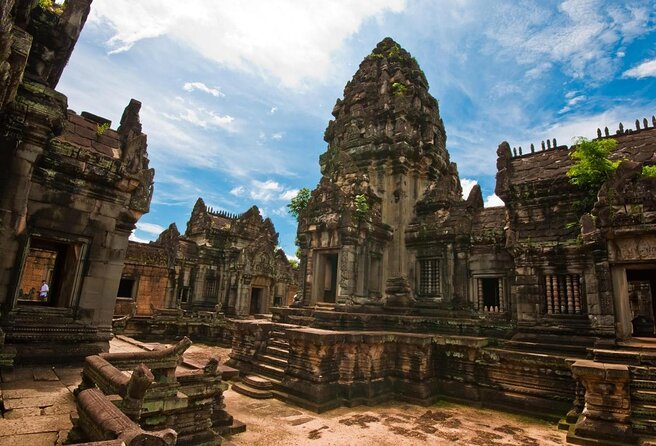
398, 88
361, 208
649, 171
299, 203
591, 167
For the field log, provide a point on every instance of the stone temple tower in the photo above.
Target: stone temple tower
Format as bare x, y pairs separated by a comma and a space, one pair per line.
386, 148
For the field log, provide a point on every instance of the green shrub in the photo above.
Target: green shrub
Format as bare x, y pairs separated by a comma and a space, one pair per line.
299, 203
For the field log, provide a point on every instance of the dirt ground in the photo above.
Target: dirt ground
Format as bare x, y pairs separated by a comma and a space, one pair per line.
271, 422
37, 404
274, 423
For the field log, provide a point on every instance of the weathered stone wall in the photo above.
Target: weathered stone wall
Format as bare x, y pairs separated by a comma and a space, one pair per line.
67, 180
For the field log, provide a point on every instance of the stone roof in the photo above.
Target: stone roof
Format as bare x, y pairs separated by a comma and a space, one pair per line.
552, 164
83, 132
489, 219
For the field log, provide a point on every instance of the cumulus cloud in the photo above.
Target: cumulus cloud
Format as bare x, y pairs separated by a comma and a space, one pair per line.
265, 190
203, 118
150, 228
245, 38
192, 86
289, 194
492, 201
134, 238
467, 185
645, 69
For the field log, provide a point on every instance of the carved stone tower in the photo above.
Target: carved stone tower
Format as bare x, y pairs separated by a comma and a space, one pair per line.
387, 144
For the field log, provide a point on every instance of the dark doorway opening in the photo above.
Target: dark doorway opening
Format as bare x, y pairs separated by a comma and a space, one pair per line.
256, 301
330, 278
642, 286
53, 263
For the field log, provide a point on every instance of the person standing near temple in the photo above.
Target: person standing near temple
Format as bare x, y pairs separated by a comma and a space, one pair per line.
43, 292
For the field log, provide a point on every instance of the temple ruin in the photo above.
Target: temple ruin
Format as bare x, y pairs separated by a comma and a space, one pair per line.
405, 290
185, 284
71, 190
420, 295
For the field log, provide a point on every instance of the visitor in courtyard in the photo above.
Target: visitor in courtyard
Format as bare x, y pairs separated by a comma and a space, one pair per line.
43, 292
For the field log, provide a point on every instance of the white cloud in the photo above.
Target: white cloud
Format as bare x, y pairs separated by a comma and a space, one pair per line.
281, 211
467, 185
492, 201
214, 91
150, 228
277, 135
645, 69
244, 39
572, 100
238, 191
203, 118
134, 238
584, 43
273, 110
289, 194
265, 190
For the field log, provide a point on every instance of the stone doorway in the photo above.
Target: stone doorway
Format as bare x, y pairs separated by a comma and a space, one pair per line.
325, 283
641, 288
256, 300
54, 262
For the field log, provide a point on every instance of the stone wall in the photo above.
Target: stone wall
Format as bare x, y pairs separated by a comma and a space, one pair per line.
66, 180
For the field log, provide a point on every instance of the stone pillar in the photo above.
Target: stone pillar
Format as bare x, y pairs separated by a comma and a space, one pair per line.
607, 411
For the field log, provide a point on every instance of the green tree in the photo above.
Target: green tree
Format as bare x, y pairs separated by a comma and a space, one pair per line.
591, 167
299, 203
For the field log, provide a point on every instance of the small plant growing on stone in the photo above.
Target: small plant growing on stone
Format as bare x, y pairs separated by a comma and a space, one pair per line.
361, 208
299, 203
395, 51
102, 128
50, 5
649, 171
398, 89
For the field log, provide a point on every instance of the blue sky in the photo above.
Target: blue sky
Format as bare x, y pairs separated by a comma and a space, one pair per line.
237, 94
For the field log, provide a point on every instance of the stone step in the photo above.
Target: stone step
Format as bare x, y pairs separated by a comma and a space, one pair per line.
252, 392
643, 411
273, 360
639, 384
279, 344
643, 395
277, 334
560, 349
278, 352
269, 371
258, 382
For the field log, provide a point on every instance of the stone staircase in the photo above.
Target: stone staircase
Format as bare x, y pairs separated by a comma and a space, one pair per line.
643, 400
269, 369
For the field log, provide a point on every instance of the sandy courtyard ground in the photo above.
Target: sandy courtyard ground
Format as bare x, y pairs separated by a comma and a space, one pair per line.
36, 404
273, 423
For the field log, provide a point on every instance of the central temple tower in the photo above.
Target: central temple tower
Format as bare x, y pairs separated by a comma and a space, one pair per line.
386, 150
